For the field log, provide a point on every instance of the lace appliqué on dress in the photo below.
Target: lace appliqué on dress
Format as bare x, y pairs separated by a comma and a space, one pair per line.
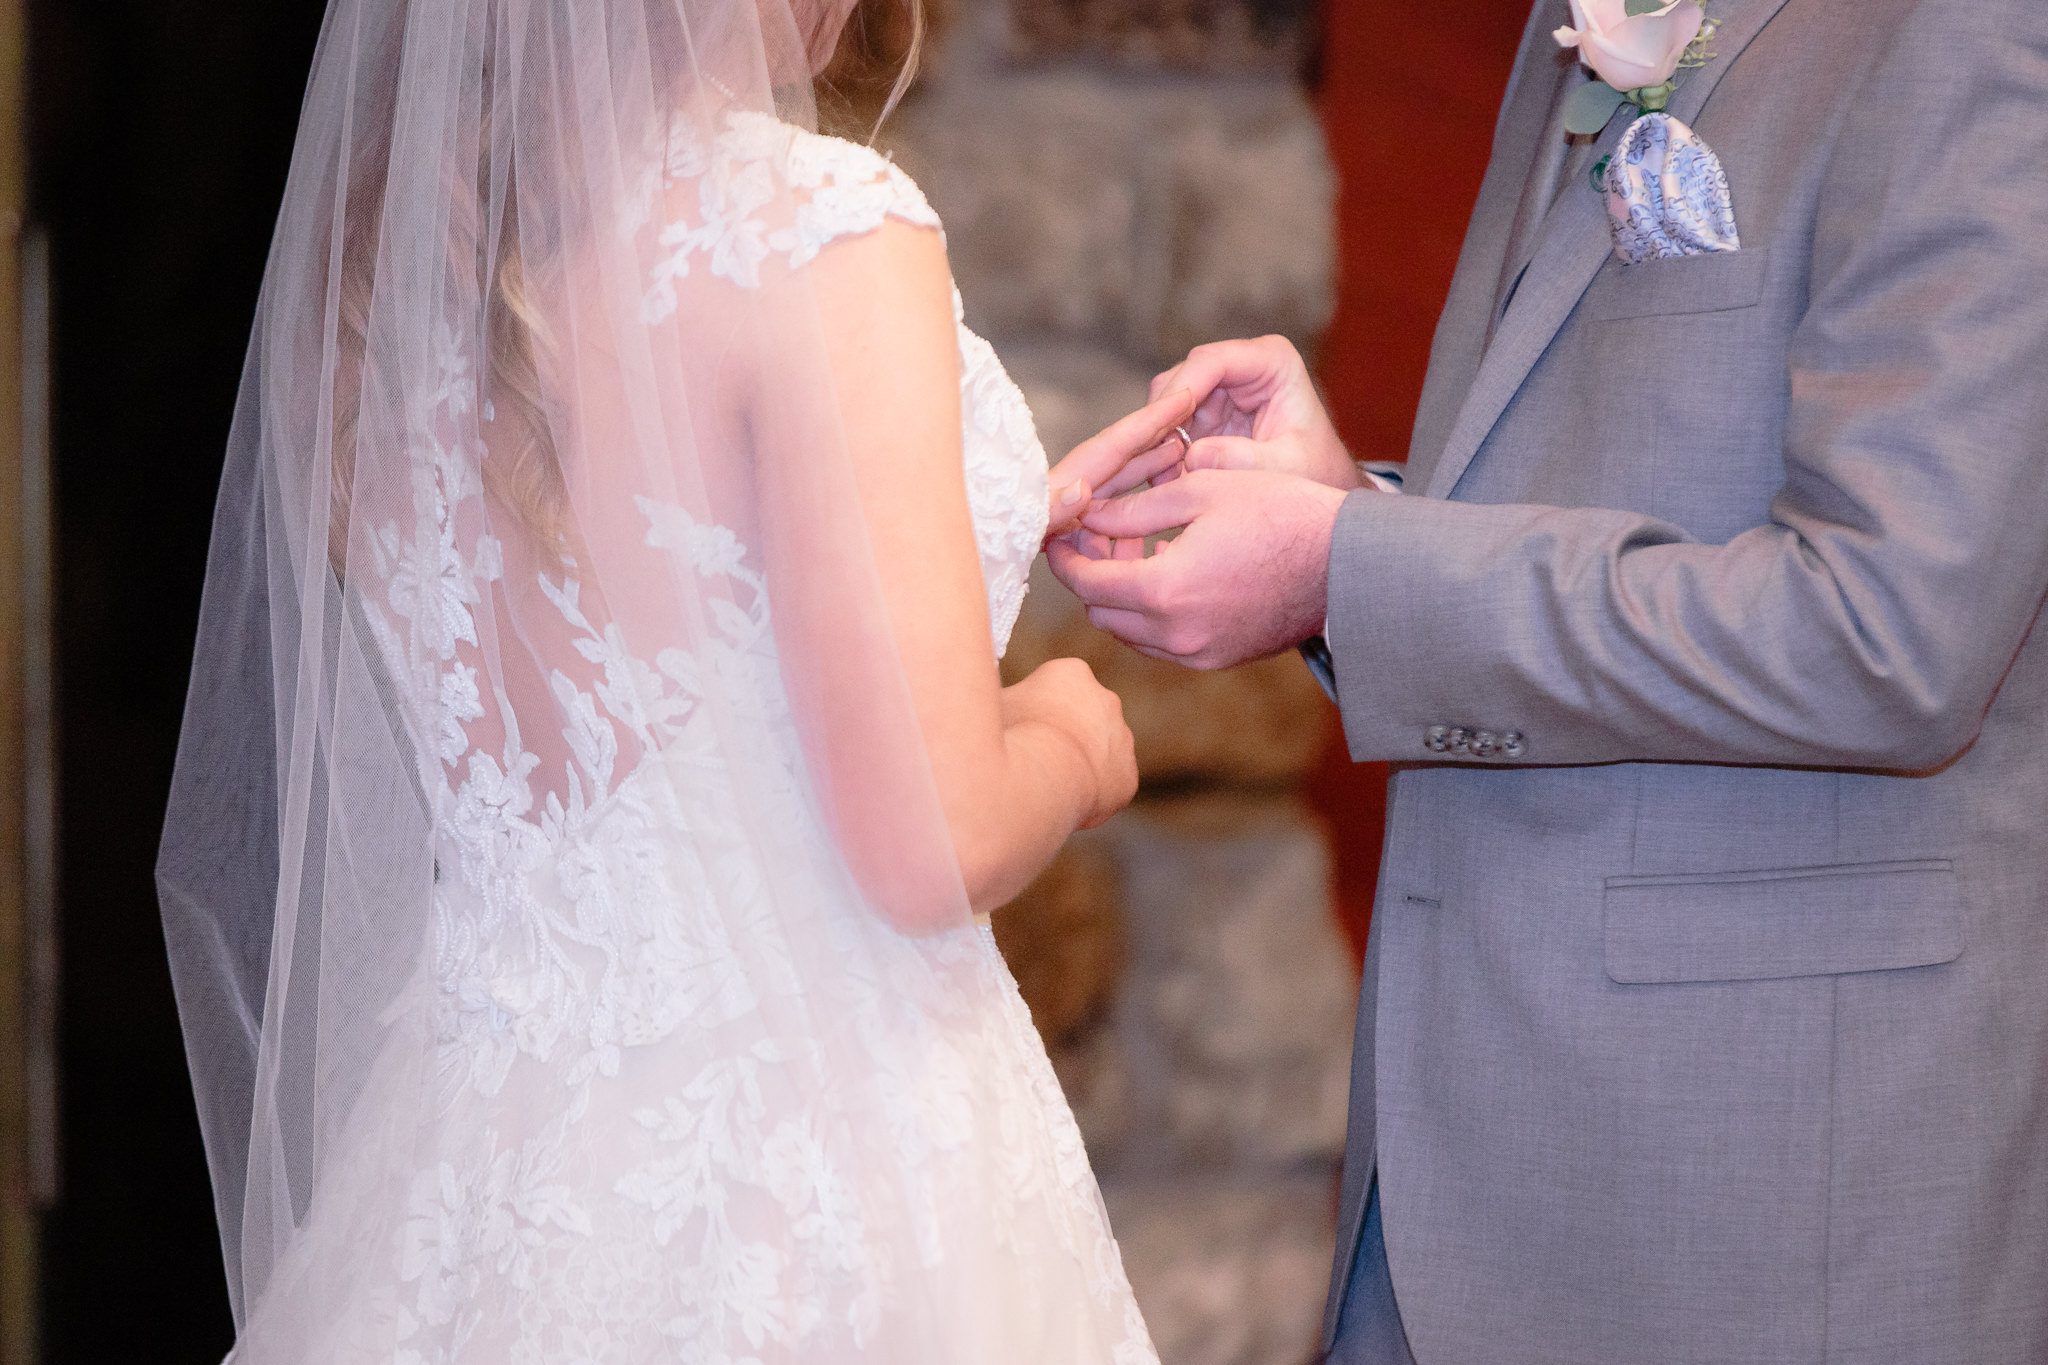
841, 190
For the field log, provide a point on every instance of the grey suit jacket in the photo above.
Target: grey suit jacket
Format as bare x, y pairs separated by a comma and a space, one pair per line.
1710, 1021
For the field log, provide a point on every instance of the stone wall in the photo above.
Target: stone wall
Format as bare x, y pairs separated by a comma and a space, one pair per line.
1121, 180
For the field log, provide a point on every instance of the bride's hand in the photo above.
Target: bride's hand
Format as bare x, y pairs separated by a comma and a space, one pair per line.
1257, 408
1121, 456
1064, 695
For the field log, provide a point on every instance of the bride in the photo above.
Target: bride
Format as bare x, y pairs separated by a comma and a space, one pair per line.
595, 762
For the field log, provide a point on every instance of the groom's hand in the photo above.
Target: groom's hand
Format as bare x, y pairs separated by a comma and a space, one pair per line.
1246, 577
1256, 408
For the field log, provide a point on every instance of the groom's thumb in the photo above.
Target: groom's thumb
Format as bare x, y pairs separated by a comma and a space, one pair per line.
1147, 512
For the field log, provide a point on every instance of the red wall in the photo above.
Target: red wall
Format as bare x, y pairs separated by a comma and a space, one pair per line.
1408, 98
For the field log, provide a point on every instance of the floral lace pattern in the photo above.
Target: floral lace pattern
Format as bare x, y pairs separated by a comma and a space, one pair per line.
659, 1124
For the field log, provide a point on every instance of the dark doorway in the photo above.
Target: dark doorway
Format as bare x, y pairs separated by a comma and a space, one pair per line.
161, 132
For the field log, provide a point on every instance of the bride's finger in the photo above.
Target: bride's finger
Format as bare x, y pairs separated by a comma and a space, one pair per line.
1102, 456
1069, 505
1159, 461
1098, 459
1163, 383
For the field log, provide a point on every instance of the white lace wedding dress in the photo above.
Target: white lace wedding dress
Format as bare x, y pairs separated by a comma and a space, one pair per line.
637, 1139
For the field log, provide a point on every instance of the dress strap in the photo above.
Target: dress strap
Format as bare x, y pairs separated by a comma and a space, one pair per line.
831, 188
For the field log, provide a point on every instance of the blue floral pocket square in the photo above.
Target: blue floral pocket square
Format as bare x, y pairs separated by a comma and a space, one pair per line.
1667, 193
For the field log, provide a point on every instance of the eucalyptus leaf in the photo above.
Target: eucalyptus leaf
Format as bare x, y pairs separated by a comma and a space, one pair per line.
1635, 7
1589, 108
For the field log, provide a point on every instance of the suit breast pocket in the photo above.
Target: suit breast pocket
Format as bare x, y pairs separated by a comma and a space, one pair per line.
1714, 282
1782, 922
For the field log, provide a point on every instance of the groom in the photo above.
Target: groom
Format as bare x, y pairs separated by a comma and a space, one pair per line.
1705, 1015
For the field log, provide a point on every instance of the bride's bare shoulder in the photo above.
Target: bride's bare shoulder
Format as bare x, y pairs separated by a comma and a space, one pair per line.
886, 286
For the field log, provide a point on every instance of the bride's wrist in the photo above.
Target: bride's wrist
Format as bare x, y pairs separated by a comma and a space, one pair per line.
1060, 758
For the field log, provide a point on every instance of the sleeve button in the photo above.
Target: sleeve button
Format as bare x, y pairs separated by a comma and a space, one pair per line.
1437, 738
1513, 745
1461, 740
1485, 744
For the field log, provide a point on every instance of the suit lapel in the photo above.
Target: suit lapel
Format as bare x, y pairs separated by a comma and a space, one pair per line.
1463, 326
1541, 185
1569, 249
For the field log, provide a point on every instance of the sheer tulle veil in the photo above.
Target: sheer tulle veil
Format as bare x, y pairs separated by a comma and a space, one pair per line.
536, 423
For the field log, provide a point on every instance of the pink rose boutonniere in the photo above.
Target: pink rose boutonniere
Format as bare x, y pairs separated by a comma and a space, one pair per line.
1635, 47
1666, 192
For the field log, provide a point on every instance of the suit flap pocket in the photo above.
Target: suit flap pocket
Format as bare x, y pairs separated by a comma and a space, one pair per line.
1711, 282
1795, 921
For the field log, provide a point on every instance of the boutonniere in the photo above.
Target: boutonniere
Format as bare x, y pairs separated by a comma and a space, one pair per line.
1635, 49
1665, 189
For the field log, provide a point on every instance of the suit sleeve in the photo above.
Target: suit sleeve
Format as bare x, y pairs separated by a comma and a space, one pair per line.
1869, 621
1386, 477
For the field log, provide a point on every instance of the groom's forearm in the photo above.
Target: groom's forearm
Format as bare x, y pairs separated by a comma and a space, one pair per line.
1514, 634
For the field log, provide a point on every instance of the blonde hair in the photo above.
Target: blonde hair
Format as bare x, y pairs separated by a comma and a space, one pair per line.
521, 470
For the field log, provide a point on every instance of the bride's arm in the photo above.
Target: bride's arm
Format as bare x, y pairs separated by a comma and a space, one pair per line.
1016, 771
